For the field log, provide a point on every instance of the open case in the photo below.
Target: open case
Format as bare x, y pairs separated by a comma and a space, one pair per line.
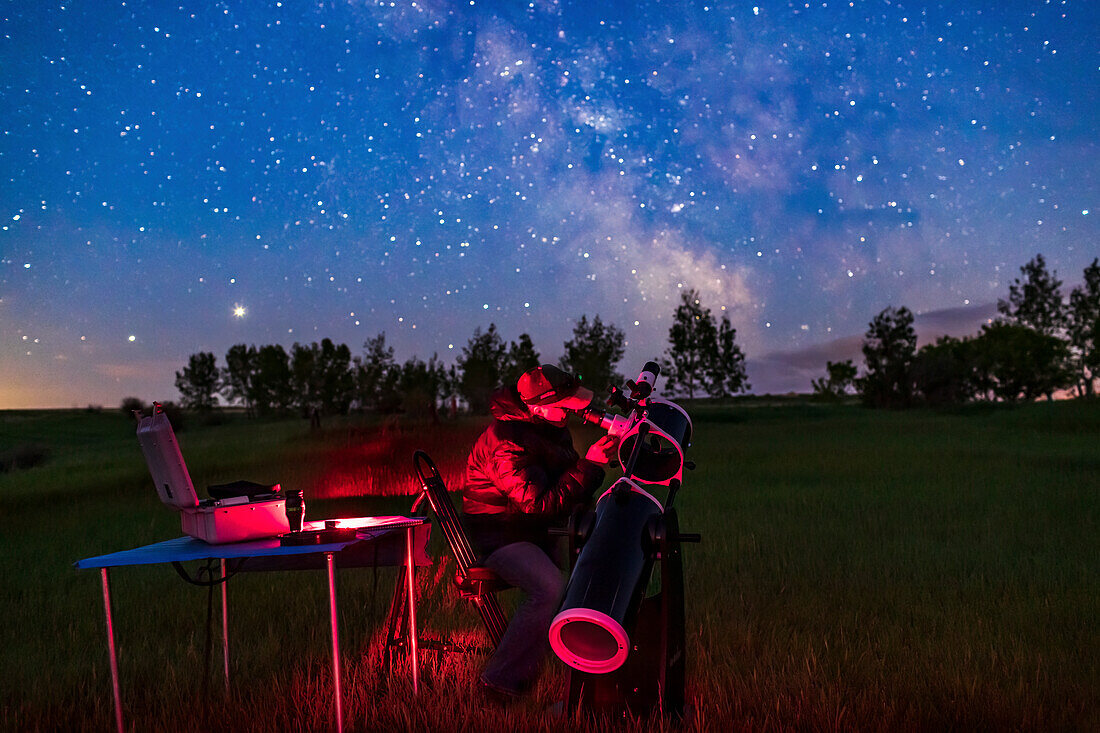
236, 512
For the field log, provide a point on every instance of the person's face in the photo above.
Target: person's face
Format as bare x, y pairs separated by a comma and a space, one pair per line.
550, 413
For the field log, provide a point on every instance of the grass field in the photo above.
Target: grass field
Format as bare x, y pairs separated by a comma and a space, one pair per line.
859, 570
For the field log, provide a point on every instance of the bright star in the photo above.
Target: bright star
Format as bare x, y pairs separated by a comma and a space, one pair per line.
239, 310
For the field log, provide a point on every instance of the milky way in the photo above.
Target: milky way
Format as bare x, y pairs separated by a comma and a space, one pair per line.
180, 178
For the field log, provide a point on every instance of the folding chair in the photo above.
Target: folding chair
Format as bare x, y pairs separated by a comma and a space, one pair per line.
475, 583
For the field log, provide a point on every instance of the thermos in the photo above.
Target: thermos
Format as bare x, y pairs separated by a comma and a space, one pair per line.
295, 510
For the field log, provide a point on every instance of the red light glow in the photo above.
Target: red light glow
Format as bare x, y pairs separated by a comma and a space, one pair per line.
377, 461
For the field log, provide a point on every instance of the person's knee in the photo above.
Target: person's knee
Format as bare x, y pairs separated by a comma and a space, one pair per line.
530, 569
550, 587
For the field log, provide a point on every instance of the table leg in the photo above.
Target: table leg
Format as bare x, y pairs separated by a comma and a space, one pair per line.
111, 649
225, 625
410, 578
330, 562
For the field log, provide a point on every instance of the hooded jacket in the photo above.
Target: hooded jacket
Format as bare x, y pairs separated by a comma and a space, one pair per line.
522, 476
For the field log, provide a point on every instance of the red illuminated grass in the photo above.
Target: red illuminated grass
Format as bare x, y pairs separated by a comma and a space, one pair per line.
859, 570
376, 460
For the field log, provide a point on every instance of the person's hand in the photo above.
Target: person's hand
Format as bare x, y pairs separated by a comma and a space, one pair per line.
603, 450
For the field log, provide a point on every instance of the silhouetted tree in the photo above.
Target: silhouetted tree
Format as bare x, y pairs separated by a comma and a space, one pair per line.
888, 350
240, 368
1035, 300
1084, 328
840, 378
692, 345
944, 372
198, 382
306, 390
452, 382
336, 377
377, 376
482, 365
593, 354
422, 385
322, 377
726, 371
521, 357
1016, 362
130, 405
271, 382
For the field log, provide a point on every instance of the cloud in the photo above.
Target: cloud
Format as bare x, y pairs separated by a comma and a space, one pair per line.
957, 322
792, 370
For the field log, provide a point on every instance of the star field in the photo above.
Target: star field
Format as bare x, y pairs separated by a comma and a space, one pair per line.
177, 177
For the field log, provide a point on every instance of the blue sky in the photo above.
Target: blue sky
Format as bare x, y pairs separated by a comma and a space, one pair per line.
341, 169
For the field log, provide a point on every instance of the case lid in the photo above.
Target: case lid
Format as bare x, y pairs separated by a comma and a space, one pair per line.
162, 454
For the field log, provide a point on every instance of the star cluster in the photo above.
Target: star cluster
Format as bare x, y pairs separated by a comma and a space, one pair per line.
177, 177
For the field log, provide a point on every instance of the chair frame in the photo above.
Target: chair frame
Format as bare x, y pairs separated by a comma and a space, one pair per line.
474, 582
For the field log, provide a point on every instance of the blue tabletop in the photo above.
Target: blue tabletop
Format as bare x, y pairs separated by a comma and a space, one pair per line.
188, 548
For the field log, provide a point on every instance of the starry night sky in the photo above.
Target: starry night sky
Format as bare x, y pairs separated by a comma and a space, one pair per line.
338, 169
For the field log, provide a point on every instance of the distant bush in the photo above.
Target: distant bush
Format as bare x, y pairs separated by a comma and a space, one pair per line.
27, 455
133, 404
93, 408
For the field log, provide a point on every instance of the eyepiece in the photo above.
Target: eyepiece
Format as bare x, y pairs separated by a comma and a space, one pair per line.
596, 416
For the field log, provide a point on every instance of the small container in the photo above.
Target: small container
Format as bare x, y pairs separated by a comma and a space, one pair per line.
295, 510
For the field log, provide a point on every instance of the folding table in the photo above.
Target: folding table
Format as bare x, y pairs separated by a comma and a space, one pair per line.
271, 554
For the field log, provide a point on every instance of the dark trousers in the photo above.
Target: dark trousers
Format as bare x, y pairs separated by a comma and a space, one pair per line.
516, 661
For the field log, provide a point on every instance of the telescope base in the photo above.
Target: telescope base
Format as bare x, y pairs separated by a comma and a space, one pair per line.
635, 687
652, 677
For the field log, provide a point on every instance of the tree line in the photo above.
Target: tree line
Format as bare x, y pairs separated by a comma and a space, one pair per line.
325, 378
1040, 343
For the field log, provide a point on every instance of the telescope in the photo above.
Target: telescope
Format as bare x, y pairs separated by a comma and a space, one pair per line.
625, 648
661, 428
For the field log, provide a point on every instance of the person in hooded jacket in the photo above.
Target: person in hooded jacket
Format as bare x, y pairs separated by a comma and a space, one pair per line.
523, 476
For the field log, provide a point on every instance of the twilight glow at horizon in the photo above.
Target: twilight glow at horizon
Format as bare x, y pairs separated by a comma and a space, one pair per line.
181, 177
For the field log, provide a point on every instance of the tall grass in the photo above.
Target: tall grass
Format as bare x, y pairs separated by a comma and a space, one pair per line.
859, 569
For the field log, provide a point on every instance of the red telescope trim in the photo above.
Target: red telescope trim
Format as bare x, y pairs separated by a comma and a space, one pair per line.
589, 640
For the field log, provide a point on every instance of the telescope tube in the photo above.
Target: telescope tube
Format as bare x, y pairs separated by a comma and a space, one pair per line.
590, 632
661, 459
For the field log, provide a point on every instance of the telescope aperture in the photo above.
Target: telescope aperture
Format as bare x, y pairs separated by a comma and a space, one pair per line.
589, 640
